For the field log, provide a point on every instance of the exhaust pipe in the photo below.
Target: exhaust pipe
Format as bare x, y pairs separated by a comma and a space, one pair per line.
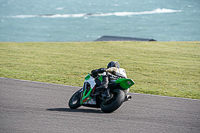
127, 98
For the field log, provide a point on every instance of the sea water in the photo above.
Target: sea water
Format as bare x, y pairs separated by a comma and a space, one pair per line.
87, 20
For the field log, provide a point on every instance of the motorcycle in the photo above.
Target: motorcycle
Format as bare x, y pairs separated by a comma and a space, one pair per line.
108, 100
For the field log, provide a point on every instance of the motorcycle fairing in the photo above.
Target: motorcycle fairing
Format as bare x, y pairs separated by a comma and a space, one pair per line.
89, 80
125, 83
86, 96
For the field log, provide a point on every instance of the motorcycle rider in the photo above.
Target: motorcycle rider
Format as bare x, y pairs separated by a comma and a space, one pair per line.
112, 72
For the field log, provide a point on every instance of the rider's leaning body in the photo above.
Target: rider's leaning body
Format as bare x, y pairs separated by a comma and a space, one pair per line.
112, 72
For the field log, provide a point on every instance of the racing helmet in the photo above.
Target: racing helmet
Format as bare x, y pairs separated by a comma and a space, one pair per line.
113, 64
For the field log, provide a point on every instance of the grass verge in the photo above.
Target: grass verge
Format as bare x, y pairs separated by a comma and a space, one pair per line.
160, 68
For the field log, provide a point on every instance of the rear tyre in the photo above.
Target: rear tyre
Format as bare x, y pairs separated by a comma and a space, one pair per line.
111, 104
74, 101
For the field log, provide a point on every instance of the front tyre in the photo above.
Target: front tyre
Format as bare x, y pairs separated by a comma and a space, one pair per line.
111, 104
74, 101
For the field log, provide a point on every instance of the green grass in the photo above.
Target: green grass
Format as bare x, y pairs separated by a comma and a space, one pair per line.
160, 68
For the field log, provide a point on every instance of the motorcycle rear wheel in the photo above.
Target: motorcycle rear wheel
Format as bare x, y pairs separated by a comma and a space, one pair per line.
111, 104
74, 101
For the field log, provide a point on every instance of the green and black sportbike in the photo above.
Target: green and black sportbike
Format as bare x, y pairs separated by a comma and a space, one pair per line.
108, 100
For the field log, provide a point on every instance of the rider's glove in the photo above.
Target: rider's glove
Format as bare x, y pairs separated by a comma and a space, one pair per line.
94, 73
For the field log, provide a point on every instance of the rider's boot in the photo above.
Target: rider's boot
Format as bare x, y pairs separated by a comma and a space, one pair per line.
103, 86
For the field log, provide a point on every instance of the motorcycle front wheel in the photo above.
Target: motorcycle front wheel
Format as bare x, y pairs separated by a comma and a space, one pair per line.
74, 101
114, 102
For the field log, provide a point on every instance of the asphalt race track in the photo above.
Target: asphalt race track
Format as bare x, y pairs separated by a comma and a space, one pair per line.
32, 107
